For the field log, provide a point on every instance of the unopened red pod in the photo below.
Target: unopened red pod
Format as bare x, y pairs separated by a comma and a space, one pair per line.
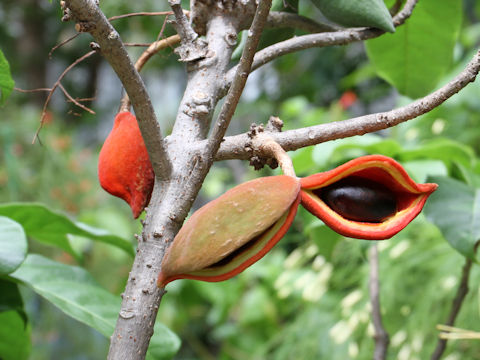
371, 197
124, 168
232, 232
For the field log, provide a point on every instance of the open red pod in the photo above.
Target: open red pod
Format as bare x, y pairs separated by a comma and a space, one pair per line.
124, 168
230, 233
371, 197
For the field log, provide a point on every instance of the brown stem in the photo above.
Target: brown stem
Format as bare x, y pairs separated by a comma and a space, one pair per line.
462, 292
381, 337
266, 146
76, 102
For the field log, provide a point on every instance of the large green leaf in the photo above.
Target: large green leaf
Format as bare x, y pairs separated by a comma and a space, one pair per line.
13, 245
14, 337
6, 81
10, 299
455, 209
74, 291
372, 13
445, 150
325, 238
52, 228
420, 52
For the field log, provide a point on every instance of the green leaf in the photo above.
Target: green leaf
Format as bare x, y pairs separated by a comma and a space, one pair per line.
74, 291
10, 299
14, 337
164, 343
371, 13
455, 209
445, 150
325, 238
420, 52
13, 245
44, 225
6, 81
419, 170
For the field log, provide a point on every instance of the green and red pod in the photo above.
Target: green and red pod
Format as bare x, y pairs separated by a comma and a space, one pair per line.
232, 232
371, 197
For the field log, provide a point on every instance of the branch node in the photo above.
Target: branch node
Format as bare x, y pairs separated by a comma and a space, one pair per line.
275, 124
67, 15
231, 38
266, 151
84, 26
94, 46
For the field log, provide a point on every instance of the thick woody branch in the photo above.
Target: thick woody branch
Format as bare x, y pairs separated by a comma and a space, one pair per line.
381, 336
233, 147
91, 19
239, 80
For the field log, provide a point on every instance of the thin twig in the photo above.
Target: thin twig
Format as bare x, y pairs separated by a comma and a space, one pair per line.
137, 44
52, 90
32, 90
143, 13
113, 18
62, 43
69, 97
238, 83
381, 336
233, 147
462, 292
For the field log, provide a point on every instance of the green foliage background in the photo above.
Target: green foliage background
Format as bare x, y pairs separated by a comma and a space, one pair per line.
308, 299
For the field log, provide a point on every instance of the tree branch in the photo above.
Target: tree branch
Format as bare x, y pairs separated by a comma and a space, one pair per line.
239, 80
54, 87
91, 19
343, 37
381, 336
233, 147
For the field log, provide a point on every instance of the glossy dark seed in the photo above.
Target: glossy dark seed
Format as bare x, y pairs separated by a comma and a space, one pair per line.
359, 199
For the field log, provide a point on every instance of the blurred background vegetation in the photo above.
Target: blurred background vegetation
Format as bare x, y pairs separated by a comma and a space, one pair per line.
308, 299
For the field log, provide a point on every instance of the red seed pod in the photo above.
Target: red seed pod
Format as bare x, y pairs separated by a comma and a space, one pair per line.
124, 168
371, 197
232, 232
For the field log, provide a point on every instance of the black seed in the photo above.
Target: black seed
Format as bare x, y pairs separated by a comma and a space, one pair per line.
359, 199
